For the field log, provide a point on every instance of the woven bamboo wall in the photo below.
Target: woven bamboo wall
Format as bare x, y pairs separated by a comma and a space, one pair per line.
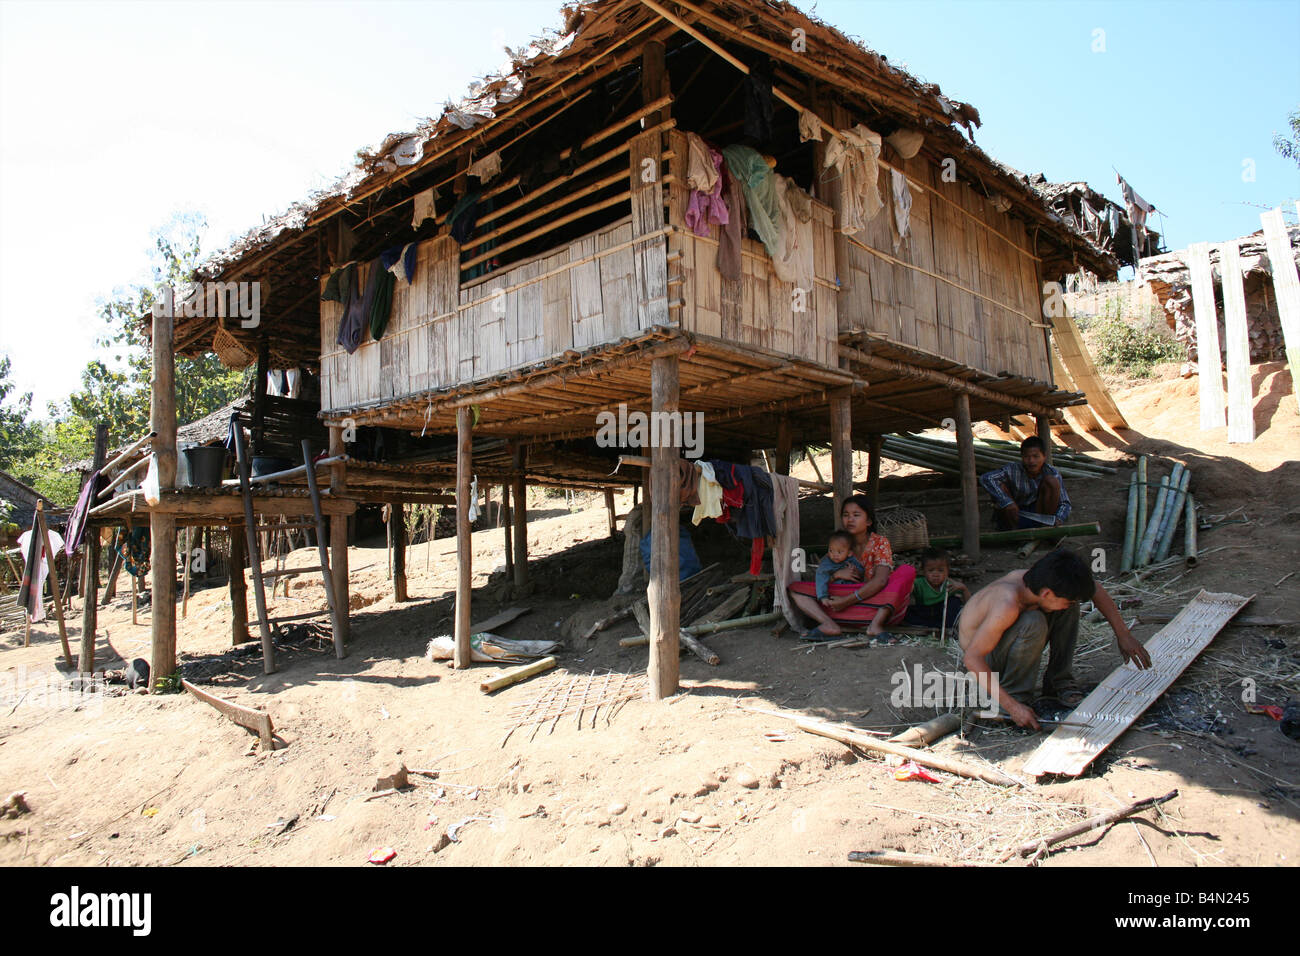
594, 290
982, 311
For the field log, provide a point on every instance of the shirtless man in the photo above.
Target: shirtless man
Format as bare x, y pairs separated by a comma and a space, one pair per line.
1006, 624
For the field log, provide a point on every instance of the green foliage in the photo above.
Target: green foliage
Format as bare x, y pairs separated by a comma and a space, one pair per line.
118, 393
57, 443
1289, 148
18, 437
1132, 349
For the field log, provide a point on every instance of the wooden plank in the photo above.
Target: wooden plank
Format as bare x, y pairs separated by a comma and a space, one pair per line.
1286, 282
1081, 417
258, 721
1241, 403
1208, 354
1074, 353
1122, 697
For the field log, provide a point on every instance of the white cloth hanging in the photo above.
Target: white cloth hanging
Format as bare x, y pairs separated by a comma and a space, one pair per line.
855, 154
902, 206
42, 570
423, 208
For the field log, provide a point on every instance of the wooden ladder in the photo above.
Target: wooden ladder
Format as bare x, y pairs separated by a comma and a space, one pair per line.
253, 531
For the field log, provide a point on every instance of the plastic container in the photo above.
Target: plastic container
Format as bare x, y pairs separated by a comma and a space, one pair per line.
207, 465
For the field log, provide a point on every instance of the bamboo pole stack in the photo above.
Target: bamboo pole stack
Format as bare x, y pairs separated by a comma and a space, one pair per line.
1149, 536
942, 456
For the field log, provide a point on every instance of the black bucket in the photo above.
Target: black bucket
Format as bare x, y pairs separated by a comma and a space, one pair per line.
207, 465
266, 465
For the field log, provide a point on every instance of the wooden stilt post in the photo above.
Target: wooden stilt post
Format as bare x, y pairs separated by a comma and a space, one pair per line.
186, 558
874, 445
784, 443
664, 595
238, 587
464, 550
110, 586
609, 510
841, 452
56, 594
162, 527
339, 544
398, 518
519, 490
1044, 432
507, 525
90, 569
970, 514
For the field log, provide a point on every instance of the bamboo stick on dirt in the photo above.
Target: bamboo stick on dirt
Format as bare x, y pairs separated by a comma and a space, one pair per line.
922, 735
924, 758
1189, 533
516, 674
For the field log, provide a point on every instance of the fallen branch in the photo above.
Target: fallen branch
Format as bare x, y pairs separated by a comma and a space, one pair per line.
891, 858
1083, 826
607, 621
855, 739
258, 721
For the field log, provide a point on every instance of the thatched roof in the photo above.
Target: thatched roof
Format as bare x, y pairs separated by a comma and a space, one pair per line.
596, 40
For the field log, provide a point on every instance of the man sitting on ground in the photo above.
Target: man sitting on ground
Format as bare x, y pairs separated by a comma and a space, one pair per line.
1028, 493
1003, 630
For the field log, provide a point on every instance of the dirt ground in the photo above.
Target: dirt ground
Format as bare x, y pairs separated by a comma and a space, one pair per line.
706, 779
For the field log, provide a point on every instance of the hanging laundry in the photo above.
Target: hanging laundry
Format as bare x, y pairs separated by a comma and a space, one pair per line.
378, 302
902, 206
906, 142
487, 167
1138, 210
76, 527
758, 103
786, 511
339, 284
792, 261
464, 217
424, 208
352, 322
732, 236
688, 481
701, 167
400, 261
810, 126
855, 154
758, 181
133, 546
706, 207
34, 568
710, 492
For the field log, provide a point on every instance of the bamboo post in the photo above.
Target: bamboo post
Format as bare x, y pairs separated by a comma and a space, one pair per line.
1143, 498
970, 513
874, 445
1189, 533
397, 518
519, 491
1165, 544
54, 578
464, 544
664, 593
516, 674
162, 526
339, 544
238, 588
507, 522
90, 570
110, 586
1045, 433
784, 445
841, 451
1153, 525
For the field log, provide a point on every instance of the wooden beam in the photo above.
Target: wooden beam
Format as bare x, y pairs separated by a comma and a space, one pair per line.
507, 527
339, 543
258, 721
664, 594
519, 513
397, 520
841, 451
1286, 283
162, 527
1043, 424
1241, 403
784, 445
238, 588
874, 445
464, 543
1209, 358
970, 512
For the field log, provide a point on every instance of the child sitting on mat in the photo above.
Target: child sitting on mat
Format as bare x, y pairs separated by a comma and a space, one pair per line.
926, 604
839, 554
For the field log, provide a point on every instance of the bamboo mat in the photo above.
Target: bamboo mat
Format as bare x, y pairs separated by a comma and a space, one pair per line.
1118, 700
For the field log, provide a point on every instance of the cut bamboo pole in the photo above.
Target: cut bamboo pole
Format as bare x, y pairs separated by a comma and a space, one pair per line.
517, 674
924, 758
1084, 826
922, 735
1175, 515
1189, 534
1143, 498
1021, 534
128, 452
1153, 526
1130, 525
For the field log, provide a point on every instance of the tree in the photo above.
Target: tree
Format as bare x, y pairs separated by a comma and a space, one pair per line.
1289, 148
118, 393
18, 437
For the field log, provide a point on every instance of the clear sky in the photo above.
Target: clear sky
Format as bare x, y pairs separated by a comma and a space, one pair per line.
115, 116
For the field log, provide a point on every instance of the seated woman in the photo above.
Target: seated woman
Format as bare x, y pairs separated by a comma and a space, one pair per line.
876, 597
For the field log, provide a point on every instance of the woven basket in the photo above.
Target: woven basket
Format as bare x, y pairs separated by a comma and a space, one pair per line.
229, 351
905, 528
